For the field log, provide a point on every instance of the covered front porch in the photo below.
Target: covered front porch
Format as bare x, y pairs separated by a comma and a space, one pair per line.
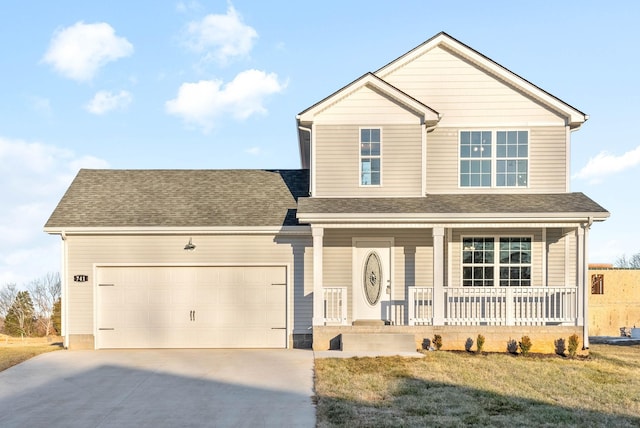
463, 262
457, 279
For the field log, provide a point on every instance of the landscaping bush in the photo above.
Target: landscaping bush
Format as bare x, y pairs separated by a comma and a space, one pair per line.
437, 342
560, 346
574, 342
480, 343
525, 345
512, 346
468, 344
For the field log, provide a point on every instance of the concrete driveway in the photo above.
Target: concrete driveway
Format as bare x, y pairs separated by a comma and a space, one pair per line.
160, 388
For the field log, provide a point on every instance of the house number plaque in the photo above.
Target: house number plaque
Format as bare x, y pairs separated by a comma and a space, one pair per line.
372, 280
80, 278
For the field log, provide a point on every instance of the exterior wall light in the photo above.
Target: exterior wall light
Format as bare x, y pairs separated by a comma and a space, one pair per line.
190, 246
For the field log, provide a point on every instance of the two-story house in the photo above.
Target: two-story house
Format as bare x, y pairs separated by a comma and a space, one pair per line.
433, 199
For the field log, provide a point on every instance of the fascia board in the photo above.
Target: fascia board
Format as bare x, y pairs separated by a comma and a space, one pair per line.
293, 230
452, 217
427, 113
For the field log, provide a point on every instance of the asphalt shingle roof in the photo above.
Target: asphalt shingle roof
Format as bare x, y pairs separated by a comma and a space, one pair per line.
181, 198
456, 204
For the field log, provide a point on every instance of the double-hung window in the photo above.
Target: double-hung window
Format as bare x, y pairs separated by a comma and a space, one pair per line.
370, 156
483, 261
494, 158
512, 152
475, 158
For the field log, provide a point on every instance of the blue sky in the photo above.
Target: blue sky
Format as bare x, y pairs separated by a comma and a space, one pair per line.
217, 84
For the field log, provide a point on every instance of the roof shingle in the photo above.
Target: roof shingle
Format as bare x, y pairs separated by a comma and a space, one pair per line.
181, 198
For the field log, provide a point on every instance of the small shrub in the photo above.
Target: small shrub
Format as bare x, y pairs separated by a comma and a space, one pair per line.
426, 344
574, 341
480, 343
512, 346
437, 342
468, 344
525, 345
560, 346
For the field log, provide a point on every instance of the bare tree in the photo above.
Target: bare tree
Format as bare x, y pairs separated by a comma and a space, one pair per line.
8, 295
45, 292
631, 262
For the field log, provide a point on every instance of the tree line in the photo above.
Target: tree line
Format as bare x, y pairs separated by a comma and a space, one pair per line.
33, 311
632, 262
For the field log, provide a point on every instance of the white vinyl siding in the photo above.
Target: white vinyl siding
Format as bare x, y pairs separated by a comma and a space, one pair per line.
365, 106
466, 94
337, 160
86, 251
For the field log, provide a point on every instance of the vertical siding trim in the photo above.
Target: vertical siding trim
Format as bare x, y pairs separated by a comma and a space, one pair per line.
567, 158
313, 159
423, 154
65, 289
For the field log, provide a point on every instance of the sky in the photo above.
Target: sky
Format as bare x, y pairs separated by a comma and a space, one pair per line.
217, 85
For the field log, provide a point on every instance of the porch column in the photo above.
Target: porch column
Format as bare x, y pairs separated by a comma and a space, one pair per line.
580, 283
438, 275
318, 292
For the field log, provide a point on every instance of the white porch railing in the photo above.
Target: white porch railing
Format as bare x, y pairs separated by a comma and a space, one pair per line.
471, 306
335, 305
496, 306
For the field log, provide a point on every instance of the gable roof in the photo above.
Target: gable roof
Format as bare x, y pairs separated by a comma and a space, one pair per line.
428, 115
455, 207
575, 118
180, 198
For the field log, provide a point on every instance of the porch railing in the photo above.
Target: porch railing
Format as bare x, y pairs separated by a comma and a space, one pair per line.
496, 306
471, 306
335, 305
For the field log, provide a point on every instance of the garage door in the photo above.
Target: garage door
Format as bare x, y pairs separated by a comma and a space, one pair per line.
191, 307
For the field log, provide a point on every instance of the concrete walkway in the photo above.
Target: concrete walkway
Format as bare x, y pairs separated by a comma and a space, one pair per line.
160, 388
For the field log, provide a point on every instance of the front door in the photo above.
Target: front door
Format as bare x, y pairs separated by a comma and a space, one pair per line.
371, 278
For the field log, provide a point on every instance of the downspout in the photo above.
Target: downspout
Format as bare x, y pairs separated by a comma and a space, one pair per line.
312, 186
587, 291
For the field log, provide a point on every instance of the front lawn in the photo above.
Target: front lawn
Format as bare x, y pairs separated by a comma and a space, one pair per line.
14, 350
458, 389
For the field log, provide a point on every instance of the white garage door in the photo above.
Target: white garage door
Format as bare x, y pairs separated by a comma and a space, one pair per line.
191, 307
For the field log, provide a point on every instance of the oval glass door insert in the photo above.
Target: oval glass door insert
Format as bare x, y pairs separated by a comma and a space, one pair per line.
372, 280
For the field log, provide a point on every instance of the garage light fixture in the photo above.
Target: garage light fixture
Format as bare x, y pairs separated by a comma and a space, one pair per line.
190, 246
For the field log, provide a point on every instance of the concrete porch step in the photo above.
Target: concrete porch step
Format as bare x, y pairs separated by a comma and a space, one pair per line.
376, 342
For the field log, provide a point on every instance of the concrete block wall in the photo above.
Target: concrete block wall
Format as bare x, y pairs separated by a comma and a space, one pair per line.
455, 337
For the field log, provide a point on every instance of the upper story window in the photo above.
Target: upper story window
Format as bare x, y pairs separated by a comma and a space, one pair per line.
370, 156
483, 152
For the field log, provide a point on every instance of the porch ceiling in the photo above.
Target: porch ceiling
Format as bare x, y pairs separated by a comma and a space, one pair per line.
464, 207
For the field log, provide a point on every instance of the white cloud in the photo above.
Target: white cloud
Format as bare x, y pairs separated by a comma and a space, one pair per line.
201, 103
604, 164
254, 151
220, 37
33, 177
79, 51
105, 101
186, 6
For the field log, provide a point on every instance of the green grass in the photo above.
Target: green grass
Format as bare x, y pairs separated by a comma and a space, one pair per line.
16, 350
466, 389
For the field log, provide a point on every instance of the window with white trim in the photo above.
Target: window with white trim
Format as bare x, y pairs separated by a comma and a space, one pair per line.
480, 267
370, 156
494, 158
